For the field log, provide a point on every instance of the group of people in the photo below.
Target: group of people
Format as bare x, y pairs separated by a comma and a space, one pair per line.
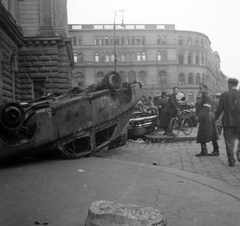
228, 107
168, 108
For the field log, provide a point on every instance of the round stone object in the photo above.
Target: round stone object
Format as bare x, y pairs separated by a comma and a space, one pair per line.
107, 213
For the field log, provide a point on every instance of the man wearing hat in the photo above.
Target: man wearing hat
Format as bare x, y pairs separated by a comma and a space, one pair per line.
229, 104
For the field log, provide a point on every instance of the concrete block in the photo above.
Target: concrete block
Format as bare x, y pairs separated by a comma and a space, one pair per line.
107, 213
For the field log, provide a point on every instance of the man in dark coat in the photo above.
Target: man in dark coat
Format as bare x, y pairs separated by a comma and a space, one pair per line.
172, 108
229, 103
163, 102
207, 130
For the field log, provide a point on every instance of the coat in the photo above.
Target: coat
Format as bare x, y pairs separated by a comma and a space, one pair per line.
229, 103
162, 112
207, 130
172, 107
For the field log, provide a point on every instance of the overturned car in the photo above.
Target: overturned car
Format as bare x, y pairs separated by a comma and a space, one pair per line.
77, 123
142, 122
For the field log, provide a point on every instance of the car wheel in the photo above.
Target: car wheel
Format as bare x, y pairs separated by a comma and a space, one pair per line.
113, 81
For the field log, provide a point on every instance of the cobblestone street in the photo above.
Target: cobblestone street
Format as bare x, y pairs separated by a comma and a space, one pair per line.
180, 156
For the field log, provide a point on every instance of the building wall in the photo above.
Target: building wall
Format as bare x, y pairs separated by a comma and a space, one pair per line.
187, 57
34, 50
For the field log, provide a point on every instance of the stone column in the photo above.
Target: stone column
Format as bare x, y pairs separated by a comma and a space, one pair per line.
60, 20
46, 18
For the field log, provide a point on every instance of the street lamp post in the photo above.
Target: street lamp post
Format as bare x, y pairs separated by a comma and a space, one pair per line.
114, 37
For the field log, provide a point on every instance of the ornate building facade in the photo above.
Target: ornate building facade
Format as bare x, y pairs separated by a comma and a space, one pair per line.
158, 55
35, 52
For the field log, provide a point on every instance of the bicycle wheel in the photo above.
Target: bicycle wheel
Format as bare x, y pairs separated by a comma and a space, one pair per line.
187, 125
174, 126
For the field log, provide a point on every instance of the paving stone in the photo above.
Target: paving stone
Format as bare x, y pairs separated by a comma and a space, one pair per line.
107, 213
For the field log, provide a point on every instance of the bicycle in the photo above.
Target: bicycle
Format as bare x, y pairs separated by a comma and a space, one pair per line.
181, 122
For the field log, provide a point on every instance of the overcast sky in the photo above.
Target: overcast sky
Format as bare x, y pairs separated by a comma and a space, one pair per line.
218, 19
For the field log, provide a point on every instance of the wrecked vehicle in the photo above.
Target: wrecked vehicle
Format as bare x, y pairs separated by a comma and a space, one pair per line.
77, 123
142, 122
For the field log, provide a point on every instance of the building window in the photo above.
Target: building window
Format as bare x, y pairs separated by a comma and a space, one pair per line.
164, 56
162, 77
138, 41
163, 40
102, 57
143, 56
75, 57
117, 40
133, 57
122, 40
190, 60
127, 40
143, 77
189, 41
138, 56
112, 57
180, 59
158, 40
180, 40
133, 40
80, 57
143, 40
38, 88
196, 42
74, 40
106, 41
79, 40
203, 78
198, 78
118, 57
131, 76
123, 75
159, 56
197, 60
99, 77
107, 58
101, 42
181, 78
79, 79
190, 78
123, 57
96, 41
191, 97
112, 41
96, 57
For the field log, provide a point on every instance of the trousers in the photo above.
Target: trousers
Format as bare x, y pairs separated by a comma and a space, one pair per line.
231, 133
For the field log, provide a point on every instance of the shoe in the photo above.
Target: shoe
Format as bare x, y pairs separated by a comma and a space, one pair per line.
238, 155
214, 153
170, 134
202, 153
232, 163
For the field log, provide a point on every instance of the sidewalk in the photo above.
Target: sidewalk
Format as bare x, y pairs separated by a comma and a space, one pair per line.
59, 192
158, 137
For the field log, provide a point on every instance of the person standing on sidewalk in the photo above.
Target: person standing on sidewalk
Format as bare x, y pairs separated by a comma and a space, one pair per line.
229, 104
172, 108
207, 130
163, 102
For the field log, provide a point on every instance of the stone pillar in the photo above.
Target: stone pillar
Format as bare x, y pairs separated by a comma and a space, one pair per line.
61, 21
46, 18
